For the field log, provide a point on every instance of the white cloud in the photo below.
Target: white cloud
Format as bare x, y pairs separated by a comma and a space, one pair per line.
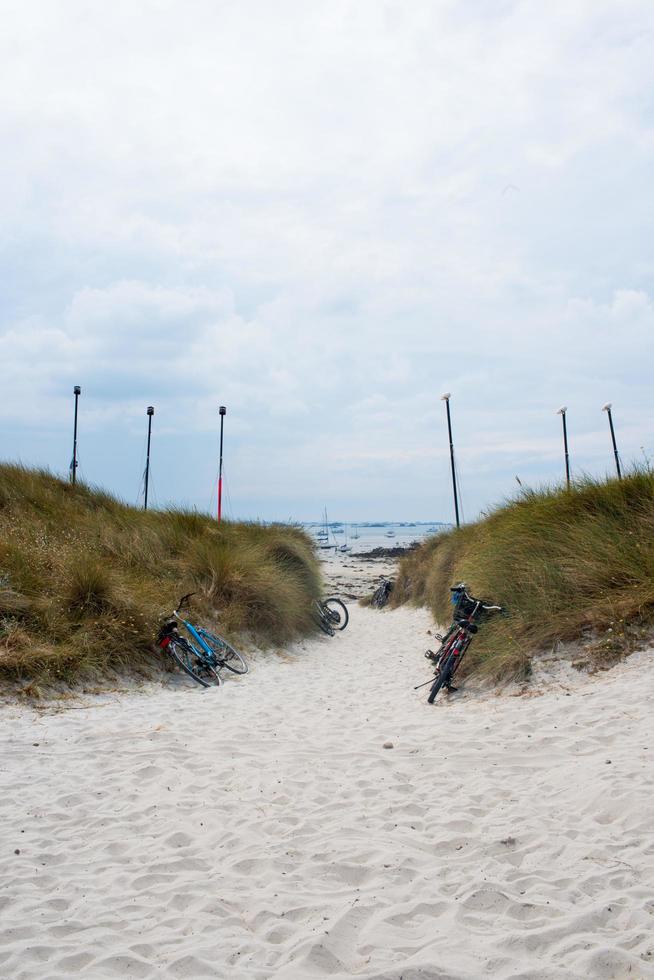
301, 210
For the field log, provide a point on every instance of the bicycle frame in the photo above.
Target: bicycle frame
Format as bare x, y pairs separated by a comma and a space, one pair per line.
455, 643
456, 649
197, 635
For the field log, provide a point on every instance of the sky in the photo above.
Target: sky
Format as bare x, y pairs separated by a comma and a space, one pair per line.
324, 215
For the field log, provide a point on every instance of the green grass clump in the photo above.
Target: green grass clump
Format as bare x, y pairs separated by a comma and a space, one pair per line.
85, 580
565, 563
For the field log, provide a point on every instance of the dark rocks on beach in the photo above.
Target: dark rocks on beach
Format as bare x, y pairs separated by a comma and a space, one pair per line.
397, 552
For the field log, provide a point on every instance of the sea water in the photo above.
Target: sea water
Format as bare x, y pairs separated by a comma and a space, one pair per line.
374, 534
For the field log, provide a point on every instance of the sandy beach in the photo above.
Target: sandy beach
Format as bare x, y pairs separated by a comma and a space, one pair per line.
264, 831
300, 298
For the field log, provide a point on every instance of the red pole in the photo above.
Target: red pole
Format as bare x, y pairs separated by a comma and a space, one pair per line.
220, 498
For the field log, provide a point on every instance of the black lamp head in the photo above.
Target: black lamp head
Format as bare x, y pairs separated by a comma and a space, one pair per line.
77, 390
150, 409
222, 410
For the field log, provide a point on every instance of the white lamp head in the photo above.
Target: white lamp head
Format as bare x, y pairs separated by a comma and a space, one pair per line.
607, 407
562, 410
445, 397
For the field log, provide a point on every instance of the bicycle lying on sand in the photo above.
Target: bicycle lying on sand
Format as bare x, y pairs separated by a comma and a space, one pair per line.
330, 615
204, 658
456, 641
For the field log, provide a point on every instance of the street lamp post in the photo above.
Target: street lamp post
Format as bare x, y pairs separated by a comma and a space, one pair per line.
562, 412
150, 413
446, 398
607, 408
223, 413
73, 466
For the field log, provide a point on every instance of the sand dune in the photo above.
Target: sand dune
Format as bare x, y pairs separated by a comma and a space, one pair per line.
263, 831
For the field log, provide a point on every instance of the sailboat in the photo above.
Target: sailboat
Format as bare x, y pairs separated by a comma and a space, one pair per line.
356, 534
323, 535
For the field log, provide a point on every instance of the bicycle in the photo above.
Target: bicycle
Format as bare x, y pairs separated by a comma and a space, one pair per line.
382, 593
330, 615
204, 659
456, 641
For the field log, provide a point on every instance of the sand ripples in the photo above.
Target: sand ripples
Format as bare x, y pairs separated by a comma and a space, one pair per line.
262, 830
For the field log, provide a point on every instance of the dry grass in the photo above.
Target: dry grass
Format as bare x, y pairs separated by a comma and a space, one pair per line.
84, 579
564, 563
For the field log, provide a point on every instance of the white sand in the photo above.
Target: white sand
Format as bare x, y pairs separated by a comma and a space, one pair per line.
262, 831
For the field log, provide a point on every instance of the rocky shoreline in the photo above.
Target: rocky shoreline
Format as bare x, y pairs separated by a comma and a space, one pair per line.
397, 552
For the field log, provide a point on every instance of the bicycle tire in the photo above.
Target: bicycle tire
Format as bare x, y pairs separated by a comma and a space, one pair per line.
321, 620
224, 653
337, 615
459, 658
443, 677
192, 663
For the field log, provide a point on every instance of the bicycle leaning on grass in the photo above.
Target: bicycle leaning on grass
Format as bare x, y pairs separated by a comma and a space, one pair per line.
330, 615
204, 655
447, 660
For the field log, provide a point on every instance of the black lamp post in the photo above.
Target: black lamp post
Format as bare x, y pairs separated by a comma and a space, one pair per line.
223, 413
446, 398
607, 408
73, 466
562, 412
147, 458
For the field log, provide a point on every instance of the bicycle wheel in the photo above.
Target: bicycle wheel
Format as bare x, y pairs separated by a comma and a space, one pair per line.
337, 613
321, 619
192, 663
442, 677
457, 661
224, 652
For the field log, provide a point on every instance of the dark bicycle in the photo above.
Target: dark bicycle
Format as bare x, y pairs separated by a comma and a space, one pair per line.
447, 660
330, 615
206, 657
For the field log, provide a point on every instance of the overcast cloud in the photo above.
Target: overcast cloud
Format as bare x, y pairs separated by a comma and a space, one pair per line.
324, 215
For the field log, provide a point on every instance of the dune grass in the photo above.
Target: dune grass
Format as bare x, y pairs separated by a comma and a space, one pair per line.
85, 579
566, 564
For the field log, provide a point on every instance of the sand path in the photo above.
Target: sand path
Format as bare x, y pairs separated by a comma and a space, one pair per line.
262, 830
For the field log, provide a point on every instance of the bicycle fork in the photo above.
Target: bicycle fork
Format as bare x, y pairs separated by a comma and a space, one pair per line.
452, 657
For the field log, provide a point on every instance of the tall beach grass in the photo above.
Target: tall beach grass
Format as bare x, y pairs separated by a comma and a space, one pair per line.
85, 579
566, 564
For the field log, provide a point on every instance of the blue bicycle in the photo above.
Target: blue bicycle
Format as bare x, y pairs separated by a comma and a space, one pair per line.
204, 658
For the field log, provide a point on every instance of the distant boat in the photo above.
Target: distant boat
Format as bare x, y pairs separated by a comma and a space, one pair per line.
390, 534
345, 546
356, 532
323, 534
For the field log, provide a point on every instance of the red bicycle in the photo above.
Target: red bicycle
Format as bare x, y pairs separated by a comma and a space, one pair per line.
457, 639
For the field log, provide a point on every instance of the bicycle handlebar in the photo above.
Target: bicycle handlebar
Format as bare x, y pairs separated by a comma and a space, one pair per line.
183, 601
461, 587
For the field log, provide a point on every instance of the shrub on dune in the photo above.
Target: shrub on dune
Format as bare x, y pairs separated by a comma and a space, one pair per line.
563, 562
85, 579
